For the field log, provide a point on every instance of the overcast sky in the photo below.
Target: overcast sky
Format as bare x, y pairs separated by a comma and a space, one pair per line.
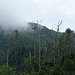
49, 11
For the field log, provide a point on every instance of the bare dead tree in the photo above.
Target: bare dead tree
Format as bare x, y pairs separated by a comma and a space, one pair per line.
8, 48
29, 46
58, 29
39, 41
16, 43
35, 26
34, 40
46, 47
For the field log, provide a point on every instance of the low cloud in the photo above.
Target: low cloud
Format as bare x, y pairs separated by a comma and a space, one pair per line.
13, 12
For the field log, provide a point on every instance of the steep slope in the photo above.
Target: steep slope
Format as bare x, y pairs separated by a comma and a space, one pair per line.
25, 42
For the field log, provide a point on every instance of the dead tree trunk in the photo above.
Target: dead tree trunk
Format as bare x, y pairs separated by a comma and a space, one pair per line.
58, 26
8, 49
39, 45
46, 47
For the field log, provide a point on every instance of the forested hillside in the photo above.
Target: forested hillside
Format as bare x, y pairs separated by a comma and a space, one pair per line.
37, 50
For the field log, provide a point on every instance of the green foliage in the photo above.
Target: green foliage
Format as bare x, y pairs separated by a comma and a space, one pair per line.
69, 65
57, 70
56, 59
4, 70
34, 73
68, 31
30, 64
65, 45
42, 72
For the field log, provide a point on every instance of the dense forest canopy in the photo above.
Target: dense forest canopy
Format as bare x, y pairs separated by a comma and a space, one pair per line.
37, 51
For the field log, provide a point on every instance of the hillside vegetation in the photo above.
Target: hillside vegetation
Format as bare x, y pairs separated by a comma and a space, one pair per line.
37, 51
